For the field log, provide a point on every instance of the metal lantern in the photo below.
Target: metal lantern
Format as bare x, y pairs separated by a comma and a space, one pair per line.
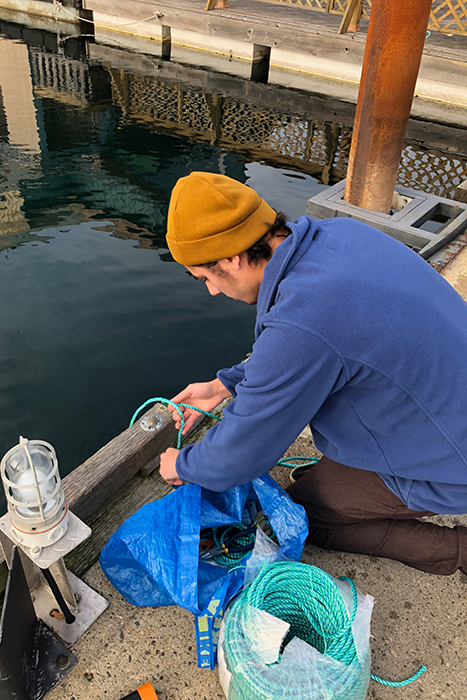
37, 507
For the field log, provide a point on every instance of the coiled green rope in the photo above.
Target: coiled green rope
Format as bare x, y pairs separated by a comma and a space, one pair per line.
231, 558
310, 601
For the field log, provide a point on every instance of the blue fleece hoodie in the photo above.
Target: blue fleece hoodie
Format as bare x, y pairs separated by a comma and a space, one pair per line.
362, 339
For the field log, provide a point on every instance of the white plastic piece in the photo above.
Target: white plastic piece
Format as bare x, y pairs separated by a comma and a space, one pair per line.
35, 551
267, 645
51, 552
264, 552
224, 674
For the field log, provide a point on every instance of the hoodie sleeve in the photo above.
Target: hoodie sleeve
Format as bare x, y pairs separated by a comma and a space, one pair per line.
232, 376
287, 378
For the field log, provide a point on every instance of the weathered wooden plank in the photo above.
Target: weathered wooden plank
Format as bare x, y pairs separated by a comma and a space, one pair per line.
292, 37
138, 492
250, 28
96, 482
284, 28
153, 464
289, 19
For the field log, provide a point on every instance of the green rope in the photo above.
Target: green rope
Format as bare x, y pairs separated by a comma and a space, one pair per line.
310, 601
319, 641
285, 462
288, 461
230, 558
399, 684
166, 402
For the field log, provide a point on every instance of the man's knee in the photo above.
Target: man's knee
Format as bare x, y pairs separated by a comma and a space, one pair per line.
324, 501
335, 495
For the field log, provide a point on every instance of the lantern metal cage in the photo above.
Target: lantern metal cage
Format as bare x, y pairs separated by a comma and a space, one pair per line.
37, 507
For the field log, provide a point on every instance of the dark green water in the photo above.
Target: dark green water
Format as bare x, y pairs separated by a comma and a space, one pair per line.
94, 316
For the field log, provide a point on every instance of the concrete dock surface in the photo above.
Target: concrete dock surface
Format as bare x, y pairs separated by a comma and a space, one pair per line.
418, 619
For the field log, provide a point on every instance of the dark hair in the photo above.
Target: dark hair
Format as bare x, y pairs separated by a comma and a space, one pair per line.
261, 250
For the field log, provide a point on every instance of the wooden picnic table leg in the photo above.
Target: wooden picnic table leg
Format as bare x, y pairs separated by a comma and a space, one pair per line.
354, 25
354, 10
220, 4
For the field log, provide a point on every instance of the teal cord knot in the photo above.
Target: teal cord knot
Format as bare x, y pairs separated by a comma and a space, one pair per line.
302, 461
167, 402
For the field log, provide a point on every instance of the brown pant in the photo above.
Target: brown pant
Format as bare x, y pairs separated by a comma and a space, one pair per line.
352, 510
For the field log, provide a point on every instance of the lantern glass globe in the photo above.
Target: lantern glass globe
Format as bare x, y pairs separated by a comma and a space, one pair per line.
19, 471
36, 503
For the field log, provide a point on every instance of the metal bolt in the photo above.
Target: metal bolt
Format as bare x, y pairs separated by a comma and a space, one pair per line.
151, 422
62, 661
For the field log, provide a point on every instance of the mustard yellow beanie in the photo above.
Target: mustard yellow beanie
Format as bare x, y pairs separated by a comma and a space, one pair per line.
212, 217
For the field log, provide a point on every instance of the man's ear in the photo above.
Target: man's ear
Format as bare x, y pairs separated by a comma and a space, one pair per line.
235, 262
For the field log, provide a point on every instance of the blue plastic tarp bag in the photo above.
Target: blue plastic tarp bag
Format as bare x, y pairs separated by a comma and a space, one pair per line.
153, 558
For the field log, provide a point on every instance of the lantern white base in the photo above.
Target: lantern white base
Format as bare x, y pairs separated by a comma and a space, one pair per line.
36, 541
76, 533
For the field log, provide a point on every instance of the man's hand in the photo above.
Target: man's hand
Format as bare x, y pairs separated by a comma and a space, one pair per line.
167, 468
204, 395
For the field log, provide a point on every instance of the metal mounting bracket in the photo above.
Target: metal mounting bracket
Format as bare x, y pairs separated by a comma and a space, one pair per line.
32, 659
83, 601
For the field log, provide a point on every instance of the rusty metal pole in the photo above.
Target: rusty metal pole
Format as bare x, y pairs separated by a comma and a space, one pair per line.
393, 51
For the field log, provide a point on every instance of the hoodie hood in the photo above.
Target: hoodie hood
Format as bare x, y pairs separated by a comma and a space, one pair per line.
286, 255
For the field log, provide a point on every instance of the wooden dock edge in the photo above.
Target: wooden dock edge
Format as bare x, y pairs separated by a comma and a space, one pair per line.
118, 480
